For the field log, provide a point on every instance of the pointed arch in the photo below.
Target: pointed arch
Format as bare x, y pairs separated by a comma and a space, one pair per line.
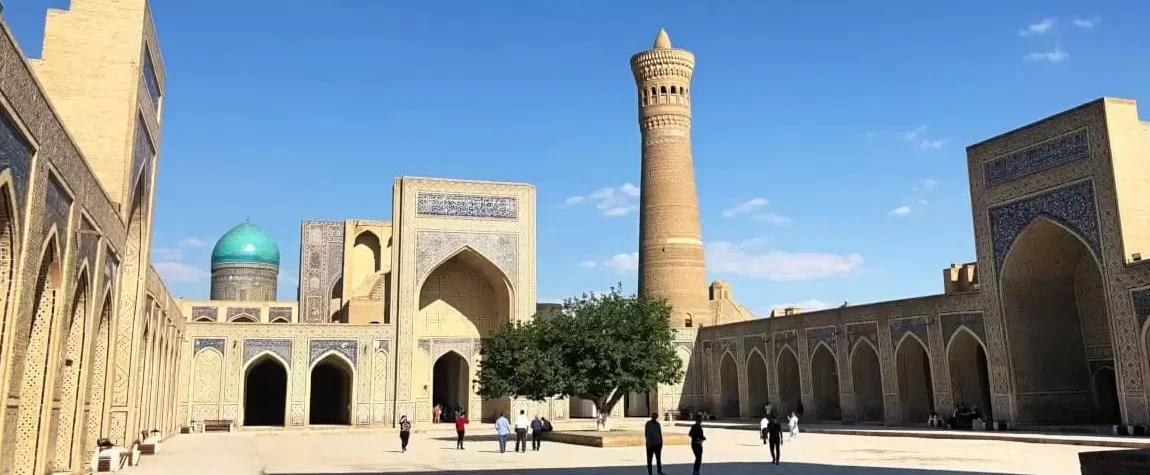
825, 383
366, 261
758, 389
267, 377
915, 383
866, 379
790, 382
25, 385
451, 382
466, 294
97, 376
69, 369
8, 248
729, 384
243, 318
969, 371
331, 386
1053, 296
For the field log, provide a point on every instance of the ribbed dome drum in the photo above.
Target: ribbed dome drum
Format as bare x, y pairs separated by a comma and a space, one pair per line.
245, 265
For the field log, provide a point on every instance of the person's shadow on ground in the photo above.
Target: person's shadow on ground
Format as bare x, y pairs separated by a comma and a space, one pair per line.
724, 468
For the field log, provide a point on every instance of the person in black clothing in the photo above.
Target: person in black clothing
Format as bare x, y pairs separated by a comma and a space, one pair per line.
536, 433
653, 433
697, 438
775, 439
404, 432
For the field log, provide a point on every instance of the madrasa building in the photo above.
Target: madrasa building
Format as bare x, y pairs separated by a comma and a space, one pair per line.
1047, 326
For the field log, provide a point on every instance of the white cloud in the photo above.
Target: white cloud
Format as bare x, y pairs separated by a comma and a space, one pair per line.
925, 184
611, 201
1055, 56
1041, 28
745, 207
811, 305
928, 144
192, 242
587, 264
913, 134
1086, 24
900, 211
923, 202
774, 219
745, 260
623, 262
177, 272
870, 134
166, 254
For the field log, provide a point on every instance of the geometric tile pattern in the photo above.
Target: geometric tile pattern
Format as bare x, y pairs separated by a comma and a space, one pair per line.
347, 348
467, 206
1052, 153
1071, 206
201, 343
280, 346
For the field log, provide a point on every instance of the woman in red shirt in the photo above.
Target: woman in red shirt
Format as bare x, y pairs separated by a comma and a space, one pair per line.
460, 427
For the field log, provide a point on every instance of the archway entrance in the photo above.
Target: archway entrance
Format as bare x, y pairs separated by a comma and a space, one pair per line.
790, 386
757, 384
867, 378
1106, 395
330, 392
1055, 310
729, 386
450, 385
969, 376
265, 392
825, 374
915, 389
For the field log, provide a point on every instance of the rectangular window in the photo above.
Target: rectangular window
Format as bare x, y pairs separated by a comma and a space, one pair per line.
150, 80
13, 147
142, 149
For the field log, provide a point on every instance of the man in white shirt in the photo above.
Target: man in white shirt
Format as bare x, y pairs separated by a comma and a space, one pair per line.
763, 424
521, 424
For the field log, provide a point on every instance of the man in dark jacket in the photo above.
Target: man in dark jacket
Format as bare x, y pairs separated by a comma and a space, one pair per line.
653, 433
536, 433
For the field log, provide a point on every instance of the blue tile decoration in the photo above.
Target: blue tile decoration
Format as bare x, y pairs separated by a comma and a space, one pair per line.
828, 335
1141, 300
57, 206
204, 343
150, 80
901, 326
15, 154
861, 331
425, 345
785, 336
1037, 158
233, 312
142, 150
255, 346
971, 320
280, 313
1071, 206
348, 348
467, 206
200, 311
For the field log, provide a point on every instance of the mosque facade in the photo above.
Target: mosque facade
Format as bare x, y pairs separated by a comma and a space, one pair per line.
1047, 326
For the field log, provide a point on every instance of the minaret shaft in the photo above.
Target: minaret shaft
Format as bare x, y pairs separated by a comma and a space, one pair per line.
671, 264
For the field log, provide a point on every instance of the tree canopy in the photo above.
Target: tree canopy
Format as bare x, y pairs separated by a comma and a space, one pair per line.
599, 347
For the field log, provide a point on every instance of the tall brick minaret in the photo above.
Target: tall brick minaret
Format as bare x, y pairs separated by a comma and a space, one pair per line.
670, 241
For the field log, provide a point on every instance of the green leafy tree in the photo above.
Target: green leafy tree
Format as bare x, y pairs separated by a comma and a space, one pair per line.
600, 347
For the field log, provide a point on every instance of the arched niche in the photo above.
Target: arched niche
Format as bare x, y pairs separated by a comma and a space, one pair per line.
331, 385
915, 384
466, 295
366, 259
265, 390
758, 393
790, 384
866, 374
969, 371
729, 385
825, 383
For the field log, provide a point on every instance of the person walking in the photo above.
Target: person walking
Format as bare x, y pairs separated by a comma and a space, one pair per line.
653, 433
763, 423
521, 424
502, 428
436, 414
775, 439
404, 433
536, 433
460, 427
793, 424
697, 438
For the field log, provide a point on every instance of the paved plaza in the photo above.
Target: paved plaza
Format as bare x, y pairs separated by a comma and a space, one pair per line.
728, 452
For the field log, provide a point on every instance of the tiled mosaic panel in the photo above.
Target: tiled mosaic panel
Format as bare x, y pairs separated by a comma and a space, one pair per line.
142, 150
205, 312
57, 205
321, 265
15, 154
972, 320
467, 206
279, 313
234, 312
1141, 300
433, 247
348, 348
915, 325
202, 343
255, 346
1072, 206
151, 82
828, 335
861, 331
1037, 158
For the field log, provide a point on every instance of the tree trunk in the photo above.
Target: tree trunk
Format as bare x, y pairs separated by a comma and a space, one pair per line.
603, 407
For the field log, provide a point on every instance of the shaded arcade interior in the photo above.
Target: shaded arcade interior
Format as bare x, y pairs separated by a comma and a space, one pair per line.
265, 392
331, 386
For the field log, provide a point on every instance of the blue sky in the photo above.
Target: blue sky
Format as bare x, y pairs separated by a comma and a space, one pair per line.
828, 141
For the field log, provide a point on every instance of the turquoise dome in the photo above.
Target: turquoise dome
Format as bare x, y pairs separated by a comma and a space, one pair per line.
246, 244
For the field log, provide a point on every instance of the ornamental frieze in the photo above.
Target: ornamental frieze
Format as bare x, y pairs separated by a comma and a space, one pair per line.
1037, 158
467, 206
281, 313
348, 348
434, 247
204, 343
280, 347
1071, 206
1141, 299
204, 312
234, 312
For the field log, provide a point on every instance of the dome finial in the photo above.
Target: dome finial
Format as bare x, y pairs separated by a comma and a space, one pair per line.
662, 41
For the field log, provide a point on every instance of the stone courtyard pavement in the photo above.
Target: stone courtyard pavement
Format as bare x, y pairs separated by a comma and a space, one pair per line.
728, 452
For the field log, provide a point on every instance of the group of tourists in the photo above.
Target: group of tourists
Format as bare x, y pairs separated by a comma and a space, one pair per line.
523, 424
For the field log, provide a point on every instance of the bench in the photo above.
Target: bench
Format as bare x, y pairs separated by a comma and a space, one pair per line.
218, 425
